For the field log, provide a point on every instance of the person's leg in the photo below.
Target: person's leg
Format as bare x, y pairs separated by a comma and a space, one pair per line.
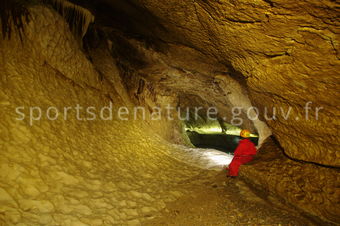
233, 167
245, 159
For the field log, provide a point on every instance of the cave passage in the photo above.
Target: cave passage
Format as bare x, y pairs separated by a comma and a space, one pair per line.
214, 134
200, 72
222, 142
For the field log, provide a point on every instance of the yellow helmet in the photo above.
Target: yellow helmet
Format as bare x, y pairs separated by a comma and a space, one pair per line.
245, 133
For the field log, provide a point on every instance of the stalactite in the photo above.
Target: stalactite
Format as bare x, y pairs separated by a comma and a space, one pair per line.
78, 17
13, 15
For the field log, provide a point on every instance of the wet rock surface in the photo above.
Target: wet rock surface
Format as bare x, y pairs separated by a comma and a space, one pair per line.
314, 189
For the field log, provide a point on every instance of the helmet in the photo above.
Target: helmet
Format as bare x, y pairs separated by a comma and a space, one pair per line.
245, 133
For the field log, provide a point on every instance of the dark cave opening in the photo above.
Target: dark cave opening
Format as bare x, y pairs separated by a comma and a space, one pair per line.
214, 133
222, 142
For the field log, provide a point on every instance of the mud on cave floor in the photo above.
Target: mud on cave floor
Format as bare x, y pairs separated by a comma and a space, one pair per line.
227, 201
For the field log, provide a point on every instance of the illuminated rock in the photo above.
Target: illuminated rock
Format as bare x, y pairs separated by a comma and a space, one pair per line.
263, 54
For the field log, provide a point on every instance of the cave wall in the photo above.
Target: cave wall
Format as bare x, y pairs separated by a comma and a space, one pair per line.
286, 55
287, 50
312, 188
71, 172
120, 70
184, 77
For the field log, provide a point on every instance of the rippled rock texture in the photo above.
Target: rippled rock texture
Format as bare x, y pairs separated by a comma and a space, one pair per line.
75, 172
268, 54
313, 188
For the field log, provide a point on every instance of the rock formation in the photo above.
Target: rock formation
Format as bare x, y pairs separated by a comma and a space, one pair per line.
270, 58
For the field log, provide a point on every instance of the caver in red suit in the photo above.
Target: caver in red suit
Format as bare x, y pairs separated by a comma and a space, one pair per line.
244, 153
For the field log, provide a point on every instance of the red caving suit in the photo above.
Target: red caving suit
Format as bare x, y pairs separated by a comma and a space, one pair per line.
244, 153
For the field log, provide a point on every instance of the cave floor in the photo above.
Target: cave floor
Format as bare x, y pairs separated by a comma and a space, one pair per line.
226, 201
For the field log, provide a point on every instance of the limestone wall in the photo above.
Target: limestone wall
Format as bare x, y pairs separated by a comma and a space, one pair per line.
74, 172
312, 188
71, 172
288, 51
184, 77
